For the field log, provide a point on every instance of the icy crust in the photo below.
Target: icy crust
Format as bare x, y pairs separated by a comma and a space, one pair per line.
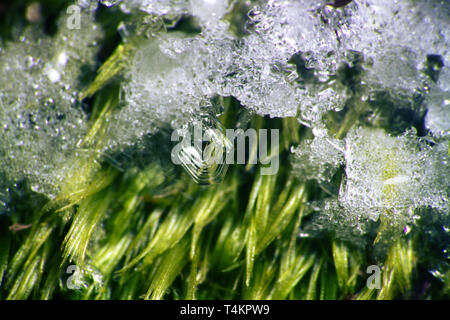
169, 81
385, 176
171, 75
395, 38
397, 173
287, 63
41, 121
157, 7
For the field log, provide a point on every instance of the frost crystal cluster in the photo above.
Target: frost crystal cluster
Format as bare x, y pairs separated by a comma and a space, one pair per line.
386, 177
391, 173
41, 120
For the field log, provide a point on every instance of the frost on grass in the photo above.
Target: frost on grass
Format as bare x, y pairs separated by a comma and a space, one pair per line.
392, 173
165, 85
291, 58
386, 178
41, 121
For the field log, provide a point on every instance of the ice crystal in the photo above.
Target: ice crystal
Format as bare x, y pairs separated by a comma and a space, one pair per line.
209, 12
317, 158
288, 60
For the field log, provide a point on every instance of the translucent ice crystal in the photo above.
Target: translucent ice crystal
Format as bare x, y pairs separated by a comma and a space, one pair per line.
380, 173
438, 104
438, 115
386, 176
41, 121
317, 158
203, 150
395, 37
330, 215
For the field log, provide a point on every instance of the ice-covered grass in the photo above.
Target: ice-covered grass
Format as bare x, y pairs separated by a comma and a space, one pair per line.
359, 92
42, 120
